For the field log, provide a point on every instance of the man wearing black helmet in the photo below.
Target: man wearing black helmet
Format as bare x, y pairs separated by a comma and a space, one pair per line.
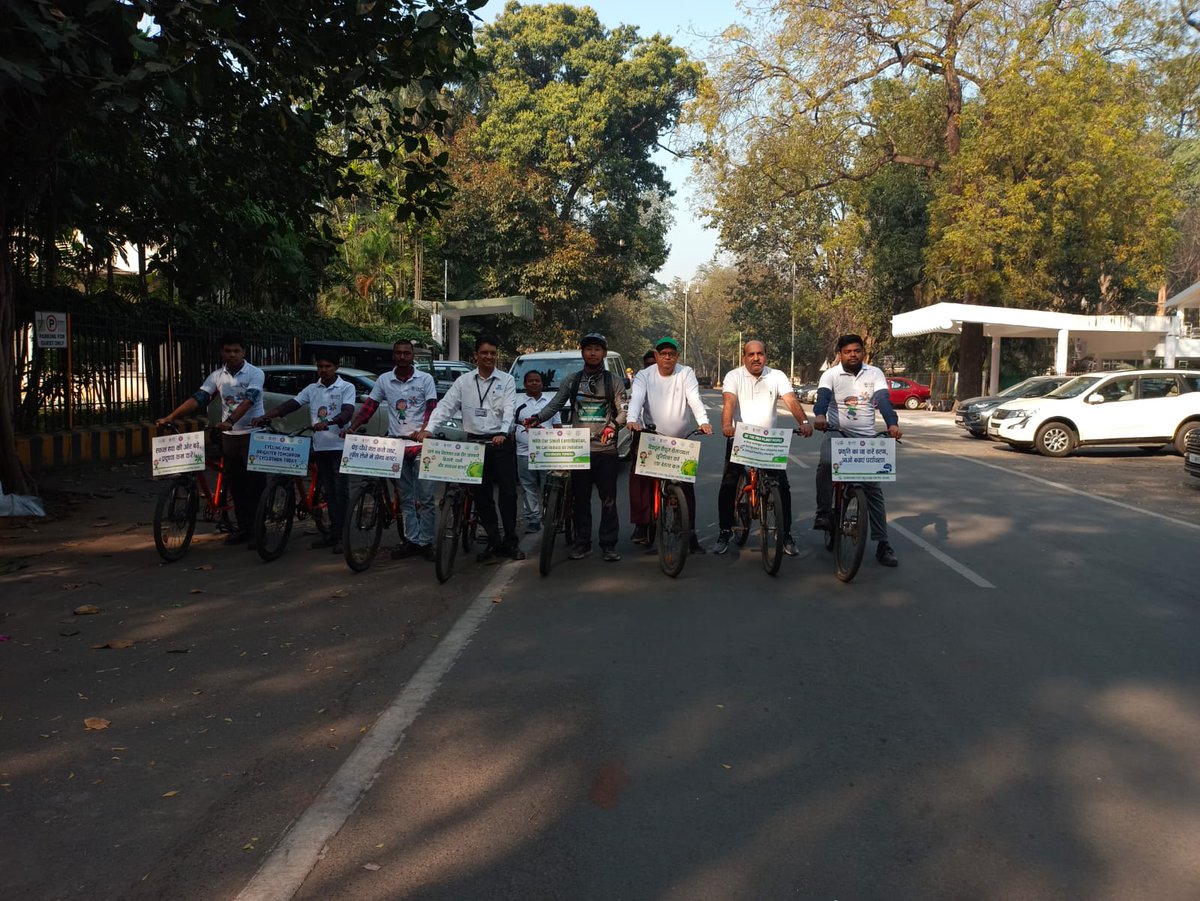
597, 400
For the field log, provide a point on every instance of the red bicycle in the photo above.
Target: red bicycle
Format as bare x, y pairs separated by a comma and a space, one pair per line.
183, 498
285, 499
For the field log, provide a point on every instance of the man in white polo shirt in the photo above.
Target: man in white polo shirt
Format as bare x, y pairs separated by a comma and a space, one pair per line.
667, 396
750, 395
411, 396
239, 385
330, 402
848, 395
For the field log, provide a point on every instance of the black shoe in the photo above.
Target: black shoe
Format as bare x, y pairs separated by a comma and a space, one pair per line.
424, 551
695, 547
326, 541
641, 534
611, 555
487, 555
789, 546
578, 552
822, 523
515, 553
237, 538
885, 555
723, 542
406, 550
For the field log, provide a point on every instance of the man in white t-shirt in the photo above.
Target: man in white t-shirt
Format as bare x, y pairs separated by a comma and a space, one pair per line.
667, 396
239, 386
411, 396
750, 395
532, 480
848, 395
330, 402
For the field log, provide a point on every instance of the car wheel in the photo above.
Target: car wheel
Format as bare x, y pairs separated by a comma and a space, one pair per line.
1181, 436
1055, 439
912, 402
975, 434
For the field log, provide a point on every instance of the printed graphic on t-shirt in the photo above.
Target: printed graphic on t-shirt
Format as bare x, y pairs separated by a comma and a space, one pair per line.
402, 410
232, 401
863, 399
593, 411
323, 414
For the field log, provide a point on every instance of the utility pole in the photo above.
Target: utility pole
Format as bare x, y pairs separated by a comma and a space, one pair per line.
686, 290
792, 371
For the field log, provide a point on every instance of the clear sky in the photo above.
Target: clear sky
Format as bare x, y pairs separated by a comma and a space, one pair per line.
690, 25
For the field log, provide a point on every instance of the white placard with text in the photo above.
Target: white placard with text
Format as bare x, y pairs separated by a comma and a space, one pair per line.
452, 461
761, 448
560, 449
280, 454
863, 459
366, 455
663, 457
173, 454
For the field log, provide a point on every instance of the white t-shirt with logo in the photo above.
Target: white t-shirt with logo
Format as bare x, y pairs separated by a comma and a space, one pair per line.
325, 403
673, 401
530, 407
756, 397
852, 404
233, 388
405, 400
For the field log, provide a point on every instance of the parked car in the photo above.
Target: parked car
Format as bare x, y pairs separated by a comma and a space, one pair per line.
907, 393
366, 356
1146, 407
806, 393
973, 413
446, 371
558, 366
1191, 453
285, 382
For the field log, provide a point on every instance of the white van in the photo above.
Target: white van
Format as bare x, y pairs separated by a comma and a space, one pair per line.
558, 366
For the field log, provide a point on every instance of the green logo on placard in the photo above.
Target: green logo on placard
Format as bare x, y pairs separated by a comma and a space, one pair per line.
475, 470
689, 467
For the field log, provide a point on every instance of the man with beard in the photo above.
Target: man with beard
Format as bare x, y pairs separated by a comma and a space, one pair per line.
848, 395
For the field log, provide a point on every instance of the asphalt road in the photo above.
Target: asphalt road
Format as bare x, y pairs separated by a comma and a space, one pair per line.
1012, 713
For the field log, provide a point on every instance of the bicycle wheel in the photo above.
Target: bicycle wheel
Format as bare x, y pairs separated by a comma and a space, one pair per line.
448, 532
771, 528
273, 519
552, 508
470, 524
566, 513
363, 529
742, 513
850, 533
674, 530
175, 518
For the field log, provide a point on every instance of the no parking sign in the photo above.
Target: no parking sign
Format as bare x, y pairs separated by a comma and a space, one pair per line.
51, 329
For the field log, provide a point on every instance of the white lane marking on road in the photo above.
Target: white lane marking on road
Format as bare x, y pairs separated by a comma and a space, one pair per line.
1061, 487
799, 462
965, 571
287, 867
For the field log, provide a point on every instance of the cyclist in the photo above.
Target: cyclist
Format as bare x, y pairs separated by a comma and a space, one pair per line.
330, 402
532, 480
750, 393
641, 488
485, 398
848, 395
670, 393
411, 396
597, 399
240, 387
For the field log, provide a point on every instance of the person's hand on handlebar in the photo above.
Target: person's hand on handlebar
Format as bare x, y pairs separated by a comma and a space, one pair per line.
633, 426
607, 434
223, 426
531, 422
706, 429
320, 427
806, 429
820, 423
259, 421
728, 430
894, 432
421, 435
498, 440
165, 421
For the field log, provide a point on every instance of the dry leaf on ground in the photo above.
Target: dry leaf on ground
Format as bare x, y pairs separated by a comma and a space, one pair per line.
371, 866
96, 722
86, 610
117, 644
340, 593
170, 794
204, 566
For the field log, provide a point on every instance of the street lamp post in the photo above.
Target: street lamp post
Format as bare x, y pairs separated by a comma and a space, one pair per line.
792, 371
686, 290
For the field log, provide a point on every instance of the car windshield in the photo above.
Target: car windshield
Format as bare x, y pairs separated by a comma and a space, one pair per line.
1076, 386
554, 372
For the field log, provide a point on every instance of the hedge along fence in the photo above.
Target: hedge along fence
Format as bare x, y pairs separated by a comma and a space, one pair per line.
133, 361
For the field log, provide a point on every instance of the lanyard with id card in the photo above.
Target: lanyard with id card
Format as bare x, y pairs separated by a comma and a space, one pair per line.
481, 411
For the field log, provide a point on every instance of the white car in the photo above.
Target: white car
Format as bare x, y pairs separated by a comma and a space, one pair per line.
1145, 406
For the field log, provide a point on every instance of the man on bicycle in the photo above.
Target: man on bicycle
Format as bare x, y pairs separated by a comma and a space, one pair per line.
641, 488
597, 400
485, 398
330, 402
848, 395
240, 387
532, 480
750, 394
411, 396
666, 396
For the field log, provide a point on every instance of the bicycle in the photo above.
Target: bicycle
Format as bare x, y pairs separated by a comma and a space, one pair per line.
850, 519
758, 497
457, 522
673, 528
374, 505
557, 510
179, 505
285, 499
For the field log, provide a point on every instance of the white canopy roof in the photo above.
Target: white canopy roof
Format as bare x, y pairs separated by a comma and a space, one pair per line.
1134, 332
1187, 299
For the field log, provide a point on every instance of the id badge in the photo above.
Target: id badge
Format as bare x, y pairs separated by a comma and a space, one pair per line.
481, 412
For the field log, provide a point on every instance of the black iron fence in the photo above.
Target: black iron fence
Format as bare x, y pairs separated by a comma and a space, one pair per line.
114, 372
